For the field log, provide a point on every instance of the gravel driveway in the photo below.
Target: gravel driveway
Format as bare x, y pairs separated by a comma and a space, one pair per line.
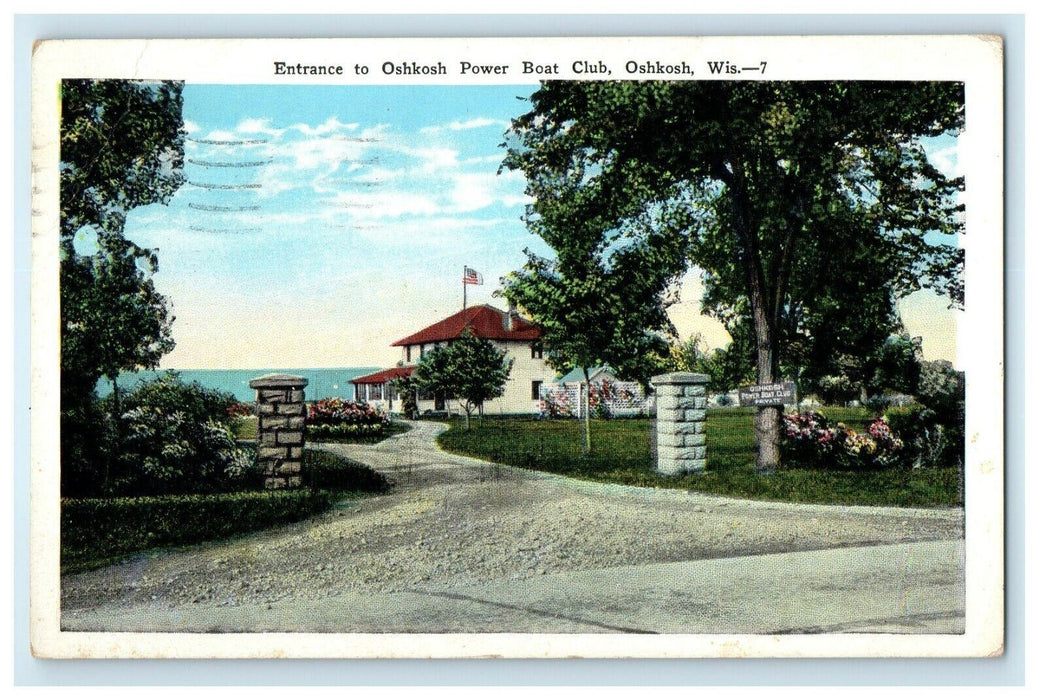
457, 521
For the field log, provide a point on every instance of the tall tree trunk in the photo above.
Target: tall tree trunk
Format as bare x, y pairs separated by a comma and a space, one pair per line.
113, 437
116, 399
767, 418
586, 427
765, 313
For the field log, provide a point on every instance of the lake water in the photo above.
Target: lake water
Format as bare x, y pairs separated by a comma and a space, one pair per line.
323, 382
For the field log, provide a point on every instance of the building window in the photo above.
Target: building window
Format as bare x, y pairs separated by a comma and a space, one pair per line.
537, 352
535, 390
408, 353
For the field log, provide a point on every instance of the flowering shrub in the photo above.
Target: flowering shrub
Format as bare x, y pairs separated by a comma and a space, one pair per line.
606, 399
336, 417
239, 409
175, 454
174, 438
808, 440
880, 432
555, 402
600, 396
929, 439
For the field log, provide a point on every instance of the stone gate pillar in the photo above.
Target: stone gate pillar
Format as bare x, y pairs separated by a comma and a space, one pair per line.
281, 428
680, 422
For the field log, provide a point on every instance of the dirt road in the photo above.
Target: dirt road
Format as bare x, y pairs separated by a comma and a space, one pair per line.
453, 522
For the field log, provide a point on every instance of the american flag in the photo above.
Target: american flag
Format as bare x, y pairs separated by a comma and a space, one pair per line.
472, 277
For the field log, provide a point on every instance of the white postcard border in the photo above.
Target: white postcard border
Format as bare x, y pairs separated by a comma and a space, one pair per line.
977, 61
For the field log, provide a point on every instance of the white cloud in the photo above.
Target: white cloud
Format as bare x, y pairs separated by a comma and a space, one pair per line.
312, 153
945, 154
483, 160
375, 132
221, 135
367, 206
946, 160
257, 126
301, 155
434, 158
355, 178
449, 233
190, 127
472, 192
477, 123
516, 200
331, 126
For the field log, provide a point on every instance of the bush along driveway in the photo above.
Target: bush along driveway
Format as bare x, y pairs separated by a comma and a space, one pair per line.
455, 524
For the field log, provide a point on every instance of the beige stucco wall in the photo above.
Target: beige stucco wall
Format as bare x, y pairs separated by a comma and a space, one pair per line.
517, 398
525, 370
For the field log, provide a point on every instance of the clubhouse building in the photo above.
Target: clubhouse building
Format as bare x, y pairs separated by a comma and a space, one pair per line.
519, 339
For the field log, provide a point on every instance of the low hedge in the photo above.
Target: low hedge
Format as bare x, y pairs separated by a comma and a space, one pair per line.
355, 435
98, 530
349, 431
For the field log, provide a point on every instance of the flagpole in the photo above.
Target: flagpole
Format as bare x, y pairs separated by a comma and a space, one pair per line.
464, 289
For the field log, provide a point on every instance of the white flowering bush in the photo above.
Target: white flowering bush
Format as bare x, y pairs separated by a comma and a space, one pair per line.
175, 438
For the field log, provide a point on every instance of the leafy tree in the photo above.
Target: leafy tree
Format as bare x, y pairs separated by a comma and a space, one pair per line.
114, 317
468, 368
593, 312
601, 301
933, 430
688, 355
408, 392
730, 367
727, 368
780, 191
940, 386
897, 365
122, 147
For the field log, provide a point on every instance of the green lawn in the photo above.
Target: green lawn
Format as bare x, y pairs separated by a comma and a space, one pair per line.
621, 453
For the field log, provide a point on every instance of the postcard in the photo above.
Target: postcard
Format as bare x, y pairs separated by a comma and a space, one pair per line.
518, 348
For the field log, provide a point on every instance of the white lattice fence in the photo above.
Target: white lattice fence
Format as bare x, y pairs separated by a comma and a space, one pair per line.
612, 399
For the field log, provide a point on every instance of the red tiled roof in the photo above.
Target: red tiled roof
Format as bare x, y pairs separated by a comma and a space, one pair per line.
384, 375
485, 322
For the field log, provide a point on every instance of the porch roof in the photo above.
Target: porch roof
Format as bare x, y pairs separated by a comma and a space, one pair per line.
384, 375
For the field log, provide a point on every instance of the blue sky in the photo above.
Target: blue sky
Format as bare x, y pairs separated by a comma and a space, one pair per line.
321, 223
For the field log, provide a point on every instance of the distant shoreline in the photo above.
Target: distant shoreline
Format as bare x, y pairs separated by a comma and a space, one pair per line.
323, 381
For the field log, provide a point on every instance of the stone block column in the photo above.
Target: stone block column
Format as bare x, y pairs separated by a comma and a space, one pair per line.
680, 422
281, 428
